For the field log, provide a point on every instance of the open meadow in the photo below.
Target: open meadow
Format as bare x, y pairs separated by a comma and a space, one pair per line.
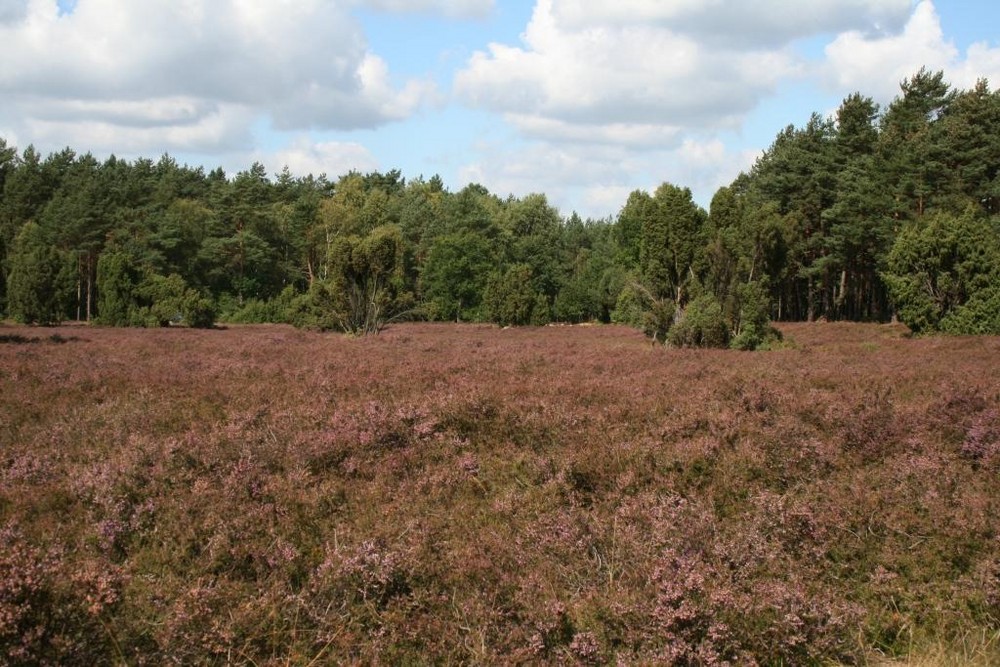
465, 494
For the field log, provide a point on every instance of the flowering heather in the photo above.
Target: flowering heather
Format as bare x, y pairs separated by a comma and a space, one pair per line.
465, 494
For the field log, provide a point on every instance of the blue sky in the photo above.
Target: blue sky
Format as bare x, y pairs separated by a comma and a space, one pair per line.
582, 100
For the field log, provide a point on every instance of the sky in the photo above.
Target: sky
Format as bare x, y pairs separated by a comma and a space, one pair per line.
581, 100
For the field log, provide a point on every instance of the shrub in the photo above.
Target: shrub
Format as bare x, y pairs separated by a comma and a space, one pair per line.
51, 612
629, 307
702, 324
449, 494
751, 325
164, 300
638, 307
315, 309
980, 315
509, 298
943, 274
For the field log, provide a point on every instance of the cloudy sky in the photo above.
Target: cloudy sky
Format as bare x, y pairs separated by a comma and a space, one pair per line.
583, 100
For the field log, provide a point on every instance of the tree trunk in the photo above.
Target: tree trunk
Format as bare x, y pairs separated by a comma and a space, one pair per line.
811, 307
90, 286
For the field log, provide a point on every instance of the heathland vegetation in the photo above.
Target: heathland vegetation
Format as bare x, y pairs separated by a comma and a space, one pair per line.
865, 216
461, 494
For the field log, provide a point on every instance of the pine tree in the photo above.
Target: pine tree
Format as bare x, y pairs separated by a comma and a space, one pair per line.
40, 282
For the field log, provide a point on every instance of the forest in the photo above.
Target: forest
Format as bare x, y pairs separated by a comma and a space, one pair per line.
870, 215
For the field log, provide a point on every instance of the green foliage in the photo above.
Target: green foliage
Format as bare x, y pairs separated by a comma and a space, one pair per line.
541, 312
727, 250
367, 283
672, 241
701, 324
40, 282
261, 311
577, 301
593, 279
943, 273
659, 318
533, 239
630, 306
164, 300
316, 309
454, 276
132, 294
510, 298
638, 307
980, 315
118, 275
751, 322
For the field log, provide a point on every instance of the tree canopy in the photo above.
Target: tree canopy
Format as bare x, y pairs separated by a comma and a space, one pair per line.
868, 214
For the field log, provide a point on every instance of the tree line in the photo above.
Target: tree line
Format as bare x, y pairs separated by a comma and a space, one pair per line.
867, 215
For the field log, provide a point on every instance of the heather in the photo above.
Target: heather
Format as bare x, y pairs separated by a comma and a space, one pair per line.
469, 494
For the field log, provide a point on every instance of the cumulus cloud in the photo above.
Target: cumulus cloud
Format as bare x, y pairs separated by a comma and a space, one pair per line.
304, 157
651, 86
12, 11
921, 44
768, 23
224, 128
643, 71
557, 171
595, 180
175, 67
607, 95
465, 9
646, 71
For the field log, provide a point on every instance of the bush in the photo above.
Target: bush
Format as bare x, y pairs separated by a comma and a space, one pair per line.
510, 299
943, 274
270, 311
198, 311
316, 309
164, 300
630, 307
131, 294
702, 324
752, 328
980, 315
541, 312
638, 307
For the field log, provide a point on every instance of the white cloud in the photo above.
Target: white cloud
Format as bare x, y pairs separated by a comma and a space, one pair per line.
12, 11
637, 135
148, 113
646, 88
596, 180
174, 65
227, 128
537, 167
620, 74
304, 157
740, 23
921, 44
630, 93
465, 9
982, 61
645, 72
